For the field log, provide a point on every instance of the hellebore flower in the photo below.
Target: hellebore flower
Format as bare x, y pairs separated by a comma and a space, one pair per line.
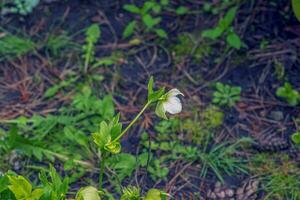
169, 103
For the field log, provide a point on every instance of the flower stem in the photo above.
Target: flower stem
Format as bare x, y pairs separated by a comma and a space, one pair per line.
102, 166
133, 121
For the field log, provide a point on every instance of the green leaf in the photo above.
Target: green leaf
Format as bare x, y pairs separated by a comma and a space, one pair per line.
212, 33
105, 61
131, 8
155, 194
129, 29
234, 40
161, 33
55, 188
157, 94
228, 19
149, 21
22, 188
107, 107
218, 94
164, 2
113, 147
36, 194
50, 92
146, 7
143, 158
131, 193
235, 91
296, 8
93, 33
156, 8
106, 135
123, 164
220, 86
116, 127
181, 10
296, 138
102, 137
88, 193
154, 95
150, 87
289, 94
3, 183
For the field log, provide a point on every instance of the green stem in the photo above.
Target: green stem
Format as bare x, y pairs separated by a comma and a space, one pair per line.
133, 121
102, 166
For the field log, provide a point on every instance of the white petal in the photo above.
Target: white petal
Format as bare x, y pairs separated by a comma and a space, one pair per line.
174, 92
172, 105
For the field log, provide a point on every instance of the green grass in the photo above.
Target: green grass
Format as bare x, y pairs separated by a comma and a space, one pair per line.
12, 46
279, 176
222, 158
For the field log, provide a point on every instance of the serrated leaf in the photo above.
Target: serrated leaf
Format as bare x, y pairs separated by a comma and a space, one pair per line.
107, 107
93, 33
123, 164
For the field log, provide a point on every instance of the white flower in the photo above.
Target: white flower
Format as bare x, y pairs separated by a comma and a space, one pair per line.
169, 103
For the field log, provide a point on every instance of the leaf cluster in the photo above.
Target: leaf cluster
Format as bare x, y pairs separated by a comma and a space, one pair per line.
60, 135
225, 27
106, 135
296, 138
22, 7
226, 95
290, 95
149, 15
147, 18
12, 46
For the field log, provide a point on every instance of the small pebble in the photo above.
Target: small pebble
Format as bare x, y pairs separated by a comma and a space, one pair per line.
255, 184
250, 192
221, 194
229, 192
240, 191
213, 195
276, 115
